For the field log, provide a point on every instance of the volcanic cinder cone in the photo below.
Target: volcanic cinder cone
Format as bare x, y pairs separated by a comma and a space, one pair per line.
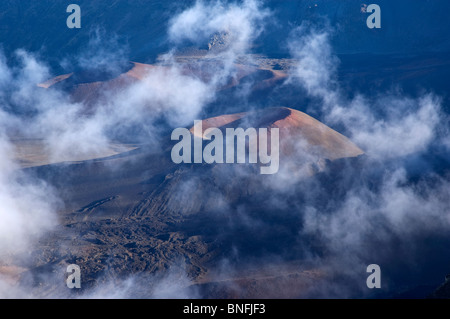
89, 85
302, 139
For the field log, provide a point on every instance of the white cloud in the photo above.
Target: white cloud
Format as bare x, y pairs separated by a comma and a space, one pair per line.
243, 23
